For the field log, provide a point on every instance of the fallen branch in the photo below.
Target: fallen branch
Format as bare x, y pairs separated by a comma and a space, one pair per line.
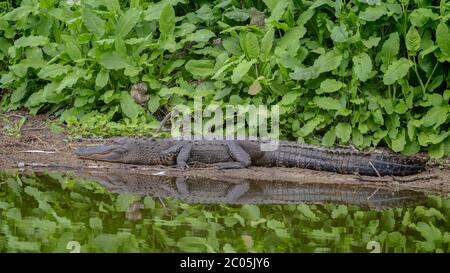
38, 152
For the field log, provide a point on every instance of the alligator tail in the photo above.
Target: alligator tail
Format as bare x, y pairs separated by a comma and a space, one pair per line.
347, 161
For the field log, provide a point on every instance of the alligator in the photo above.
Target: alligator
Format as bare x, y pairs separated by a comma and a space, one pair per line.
224, 190
233, 154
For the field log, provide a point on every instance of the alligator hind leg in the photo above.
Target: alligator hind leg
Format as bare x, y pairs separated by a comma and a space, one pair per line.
242, 158
237, 190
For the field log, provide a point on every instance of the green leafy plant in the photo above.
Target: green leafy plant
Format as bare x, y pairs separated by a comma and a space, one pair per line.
12, 128
369, 73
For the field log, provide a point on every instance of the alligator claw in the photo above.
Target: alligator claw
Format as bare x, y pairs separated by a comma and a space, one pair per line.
183, 166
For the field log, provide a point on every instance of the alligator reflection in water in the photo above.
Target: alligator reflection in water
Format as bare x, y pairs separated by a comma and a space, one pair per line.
234, 191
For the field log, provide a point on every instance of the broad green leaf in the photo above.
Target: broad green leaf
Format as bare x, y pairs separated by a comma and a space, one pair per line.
201, 68
237, 15
278, 11
390, 48
339, 212
173, 90
93, 23
362, 66
370, 2
251, 46
270, 4
305, 16
232, 45
343, 131
357, 137
289, 98
95, 223
304, 73
73, 51
31, 41
241, 70
18, 13
309, 127
329, 86
200, 36
128, 21
128, 105
329, 138
5, 45
153, 104
19, 93
80, 102
250, 212
227, 65
327, 62
436, 116
421, 16
102, 79
436, 150
412, 40
397, 70
53, 71
429, 231
266, 45
112, 5
373, 13
124, 201
443, 39
426, 138
292, 36
371, 42
399, 142
166, 22
327, 103
319, 3
339, 34
112, 60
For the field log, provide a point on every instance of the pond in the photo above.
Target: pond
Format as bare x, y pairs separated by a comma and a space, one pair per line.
106, 212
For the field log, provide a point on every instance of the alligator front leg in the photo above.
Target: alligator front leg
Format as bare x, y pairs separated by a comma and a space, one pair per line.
183, 156
238, 153
182, 152
237, 190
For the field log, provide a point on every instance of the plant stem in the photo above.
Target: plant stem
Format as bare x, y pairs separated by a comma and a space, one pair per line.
431, 75
418, 76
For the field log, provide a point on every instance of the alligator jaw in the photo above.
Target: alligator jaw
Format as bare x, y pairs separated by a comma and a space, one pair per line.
103, 152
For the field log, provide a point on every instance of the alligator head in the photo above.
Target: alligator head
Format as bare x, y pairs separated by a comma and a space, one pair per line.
113, 152
123, 150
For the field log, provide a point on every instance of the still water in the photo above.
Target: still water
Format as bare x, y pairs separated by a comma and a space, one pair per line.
104, 212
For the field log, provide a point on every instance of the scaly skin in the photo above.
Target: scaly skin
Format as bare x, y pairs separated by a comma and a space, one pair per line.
243, 153
241, 191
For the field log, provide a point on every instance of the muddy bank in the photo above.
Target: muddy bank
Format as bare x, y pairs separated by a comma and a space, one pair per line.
39, 149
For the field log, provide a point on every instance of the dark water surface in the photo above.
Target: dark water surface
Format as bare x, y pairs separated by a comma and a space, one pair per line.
104, 212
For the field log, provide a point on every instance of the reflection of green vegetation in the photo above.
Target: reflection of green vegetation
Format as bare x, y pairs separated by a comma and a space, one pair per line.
42, 213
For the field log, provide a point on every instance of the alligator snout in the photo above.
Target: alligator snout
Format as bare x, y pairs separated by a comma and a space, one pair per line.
103, 152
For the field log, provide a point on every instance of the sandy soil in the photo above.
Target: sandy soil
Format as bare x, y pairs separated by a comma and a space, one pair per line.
38, 148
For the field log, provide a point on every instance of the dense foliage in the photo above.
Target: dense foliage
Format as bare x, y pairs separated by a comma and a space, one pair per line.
366, 72
42, 213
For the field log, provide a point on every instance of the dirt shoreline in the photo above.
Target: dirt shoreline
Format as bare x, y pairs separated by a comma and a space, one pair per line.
38, 148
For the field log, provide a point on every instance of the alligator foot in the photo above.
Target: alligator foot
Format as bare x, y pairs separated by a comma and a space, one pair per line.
242, 158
